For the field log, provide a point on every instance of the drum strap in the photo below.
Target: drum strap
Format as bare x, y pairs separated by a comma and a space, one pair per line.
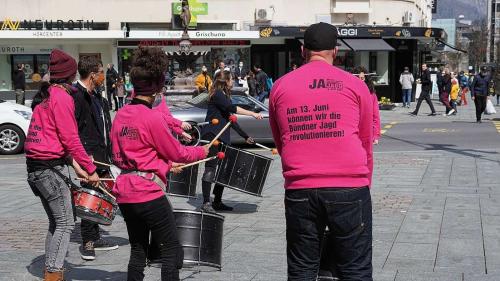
148, 176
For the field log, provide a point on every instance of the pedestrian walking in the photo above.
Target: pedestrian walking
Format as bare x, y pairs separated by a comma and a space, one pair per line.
94, 125
203, 81
445, 91
425, 79
322, 123
240, 73
145, 150
252, 84
52, 137
19, 79
479, 92
111, 76
406, 80
221, 67
262, 83
120, 91
455, 89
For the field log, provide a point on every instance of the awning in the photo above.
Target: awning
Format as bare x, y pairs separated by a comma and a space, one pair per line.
368, 45
342, 45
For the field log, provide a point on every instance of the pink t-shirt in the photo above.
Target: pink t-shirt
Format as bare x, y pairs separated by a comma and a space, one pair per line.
53, 132
322, 123
141, 141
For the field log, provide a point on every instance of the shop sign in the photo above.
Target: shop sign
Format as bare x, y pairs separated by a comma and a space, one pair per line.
14, 50
62, 34
195, 8
38, 24
205, 34
347, 32
434, 5
166, 43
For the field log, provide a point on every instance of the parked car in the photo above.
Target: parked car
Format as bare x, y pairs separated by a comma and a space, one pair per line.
195, 111
14, 123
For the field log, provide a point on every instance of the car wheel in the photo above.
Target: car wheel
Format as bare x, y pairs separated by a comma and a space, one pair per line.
11, 139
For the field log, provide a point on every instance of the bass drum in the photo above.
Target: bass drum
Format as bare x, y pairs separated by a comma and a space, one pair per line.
183, 184
200, 235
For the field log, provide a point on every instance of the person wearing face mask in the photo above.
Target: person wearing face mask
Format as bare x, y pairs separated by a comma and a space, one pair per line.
240, 73
479, 92
94, 124
203, 81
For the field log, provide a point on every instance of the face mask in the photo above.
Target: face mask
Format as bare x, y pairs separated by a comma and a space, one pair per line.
241, 64
99, 81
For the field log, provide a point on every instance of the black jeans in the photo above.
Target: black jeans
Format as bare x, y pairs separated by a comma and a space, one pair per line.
480, 102
154, 216
348, 214
89, 231
209, 174
425, 96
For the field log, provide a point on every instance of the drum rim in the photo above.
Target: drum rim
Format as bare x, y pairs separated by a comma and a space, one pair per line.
97, 194
89, 211
249, 152
242, 190
199, 213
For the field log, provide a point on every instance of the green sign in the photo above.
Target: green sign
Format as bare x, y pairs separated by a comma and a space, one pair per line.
195, 7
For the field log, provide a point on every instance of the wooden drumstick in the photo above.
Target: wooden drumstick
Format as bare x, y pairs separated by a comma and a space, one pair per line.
103, 164
273, 150
216, 142
101, 179
214, 121
220, 155
232, 119
100, 187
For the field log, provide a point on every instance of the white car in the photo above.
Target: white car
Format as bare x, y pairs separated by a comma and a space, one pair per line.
14, 124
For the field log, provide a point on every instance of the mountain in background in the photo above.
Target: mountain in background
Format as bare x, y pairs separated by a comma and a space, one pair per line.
471, 9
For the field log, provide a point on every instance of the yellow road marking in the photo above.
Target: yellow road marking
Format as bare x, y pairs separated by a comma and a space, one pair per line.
383, 132
387, 127
497, 125
393, 123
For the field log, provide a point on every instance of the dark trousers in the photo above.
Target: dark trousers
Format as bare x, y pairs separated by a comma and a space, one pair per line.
445, 100
480, 102
89, 231
120, 102
115, 99
348, 214
209, 174
425, 96
110, 94
157, 217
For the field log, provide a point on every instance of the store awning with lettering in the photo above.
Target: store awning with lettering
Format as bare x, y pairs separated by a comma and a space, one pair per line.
62, 34
342, 46
193, 34
368, 45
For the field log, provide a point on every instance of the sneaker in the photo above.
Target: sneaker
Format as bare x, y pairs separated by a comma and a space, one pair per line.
88, 252
432, 114
451, 112
219, 206
207, 208
104, 245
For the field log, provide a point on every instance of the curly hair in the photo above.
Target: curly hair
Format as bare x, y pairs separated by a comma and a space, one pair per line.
149, 64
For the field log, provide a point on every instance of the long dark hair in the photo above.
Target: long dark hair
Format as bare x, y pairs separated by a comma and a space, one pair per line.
222, 83
368, 80
43, 92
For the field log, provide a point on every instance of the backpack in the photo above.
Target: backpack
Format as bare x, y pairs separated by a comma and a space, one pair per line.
269, 84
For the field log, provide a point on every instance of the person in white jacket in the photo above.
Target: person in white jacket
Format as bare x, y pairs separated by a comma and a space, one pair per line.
406, 79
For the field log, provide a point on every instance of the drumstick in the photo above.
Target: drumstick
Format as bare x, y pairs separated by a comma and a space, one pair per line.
216, 142
212, 122
219, 155
101, 163
232, 119
101, 179
273, 150
102, 188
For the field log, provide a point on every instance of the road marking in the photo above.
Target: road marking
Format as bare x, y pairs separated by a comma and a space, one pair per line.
387, 127
497, 125
440, 130
10, 158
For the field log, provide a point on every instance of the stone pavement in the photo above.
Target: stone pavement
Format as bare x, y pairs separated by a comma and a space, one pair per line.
436, 217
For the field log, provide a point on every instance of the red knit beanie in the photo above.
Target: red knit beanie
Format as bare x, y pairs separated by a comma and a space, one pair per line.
62, 65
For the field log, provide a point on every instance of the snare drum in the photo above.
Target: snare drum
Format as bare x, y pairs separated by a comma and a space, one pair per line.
195, 134
183, 184
243, 170
200, 235
94, 206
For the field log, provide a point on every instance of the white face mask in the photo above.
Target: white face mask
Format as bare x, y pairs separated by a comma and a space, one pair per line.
241, 64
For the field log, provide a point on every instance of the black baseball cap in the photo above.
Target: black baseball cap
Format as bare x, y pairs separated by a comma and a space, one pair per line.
321, 36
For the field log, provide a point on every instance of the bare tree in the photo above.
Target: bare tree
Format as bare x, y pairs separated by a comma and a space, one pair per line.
478, 44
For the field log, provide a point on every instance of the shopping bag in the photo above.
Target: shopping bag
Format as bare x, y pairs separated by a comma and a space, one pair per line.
418, 91
490, 109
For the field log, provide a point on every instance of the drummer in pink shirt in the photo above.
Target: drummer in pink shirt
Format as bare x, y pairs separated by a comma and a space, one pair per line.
145, 150
322, 123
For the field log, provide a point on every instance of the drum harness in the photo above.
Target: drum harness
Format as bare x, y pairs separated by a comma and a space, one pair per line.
150, 176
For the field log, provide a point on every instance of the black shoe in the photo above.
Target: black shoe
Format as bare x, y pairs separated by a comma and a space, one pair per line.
432, 114
413, 113
478, 121
88, 252
207, 208
104, 245
219, 206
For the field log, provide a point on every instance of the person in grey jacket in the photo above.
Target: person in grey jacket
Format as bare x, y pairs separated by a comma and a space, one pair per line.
406, 80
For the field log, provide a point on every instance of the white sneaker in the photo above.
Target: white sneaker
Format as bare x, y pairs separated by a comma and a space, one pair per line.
451, 112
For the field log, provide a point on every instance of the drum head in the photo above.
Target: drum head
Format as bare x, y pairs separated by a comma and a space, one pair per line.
115, 171
183, 184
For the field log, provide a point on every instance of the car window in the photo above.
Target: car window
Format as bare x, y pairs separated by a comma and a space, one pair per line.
244, 102
200, 100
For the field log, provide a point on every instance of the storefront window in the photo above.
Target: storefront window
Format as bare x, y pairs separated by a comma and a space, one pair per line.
35, 66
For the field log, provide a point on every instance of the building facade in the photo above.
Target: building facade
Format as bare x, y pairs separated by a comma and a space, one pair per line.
223, 30
493, 31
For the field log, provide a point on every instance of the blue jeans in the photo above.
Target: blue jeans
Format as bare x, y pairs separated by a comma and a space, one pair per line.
262, 96
348, 214
406, 97
56, 200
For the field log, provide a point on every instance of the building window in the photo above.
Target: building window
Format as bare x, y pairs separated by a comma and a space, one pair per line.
35, 67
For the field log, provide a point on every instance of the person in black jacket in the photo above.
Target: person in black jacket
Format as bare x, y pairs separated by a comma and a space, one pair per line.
19, 80
425, 79
111, 77
261, 78
220, 107
479, 92
446, 90
94, 124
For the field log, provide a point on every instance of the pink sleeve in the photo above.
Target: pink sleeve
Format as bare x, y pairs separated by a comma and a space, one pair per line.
376, 118
366, 124
173, 123
272, 119
169, 147
64, 117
